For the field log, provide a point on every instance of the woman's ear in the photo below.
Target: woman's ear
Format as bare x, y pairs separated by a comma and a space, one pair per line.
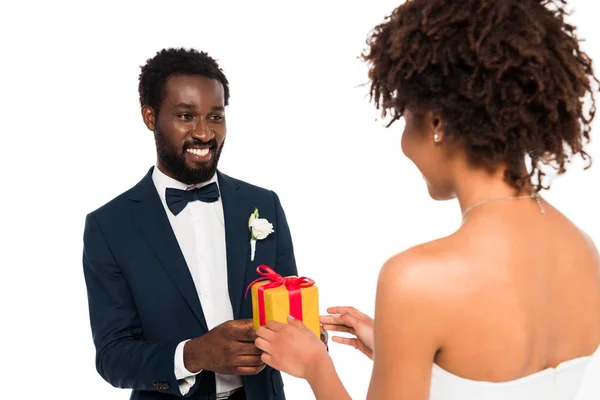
436, 128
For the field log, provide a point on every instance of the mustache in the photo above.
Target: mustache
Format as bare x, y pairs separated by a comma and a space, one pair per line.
199, 143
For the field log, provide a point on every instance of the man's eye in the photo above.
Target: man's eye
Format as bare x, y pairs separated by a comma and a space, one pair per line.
186, 117
216, 117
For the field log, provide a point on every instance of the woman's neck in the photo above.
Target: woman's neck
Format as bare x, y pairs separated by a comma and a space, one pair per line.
477, 185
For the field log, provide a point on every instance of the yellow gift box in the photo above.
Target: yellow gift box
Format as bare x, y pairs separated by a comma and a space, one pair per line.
275, 297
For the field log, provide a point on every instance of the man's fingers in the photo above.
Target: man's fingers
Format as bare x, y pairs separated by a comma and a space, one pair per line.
247, 349
246, 334
250, 370
248, 361
240, 324
241, 330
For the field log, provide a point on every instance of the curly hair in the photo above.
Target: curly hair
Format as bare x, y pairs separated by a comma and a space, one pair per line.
176, 61
507, 77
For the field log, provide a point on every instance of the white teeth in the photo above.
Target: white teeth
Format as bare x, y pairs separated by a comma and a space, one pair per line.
199, 152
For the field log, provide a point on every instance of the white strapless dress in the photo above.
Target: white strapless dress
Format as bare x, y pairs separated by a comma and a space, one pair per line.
560, 383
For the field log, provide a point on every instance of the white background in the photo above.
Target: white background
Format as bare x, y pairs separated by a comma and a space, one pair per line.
299, 123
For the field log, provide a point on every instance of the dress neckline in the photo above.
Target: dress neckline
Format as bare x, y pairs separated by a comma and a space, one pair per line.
562, 366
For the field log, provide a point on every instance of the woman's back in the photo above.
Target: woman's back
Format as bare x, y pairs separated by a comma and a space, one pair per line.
490, 93
524, 290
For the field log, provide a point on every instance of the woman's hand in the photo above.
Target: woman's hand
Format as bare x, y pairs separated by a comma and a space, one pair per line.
350, 320
291, 348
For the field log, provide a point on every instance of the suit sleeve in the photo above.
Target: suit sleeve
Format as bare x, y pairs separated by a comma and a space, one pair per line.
123, 357
285, 262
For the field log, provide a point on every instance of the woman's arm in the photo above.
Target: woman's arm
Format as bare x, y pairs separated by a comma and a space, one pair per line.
408, 325
292, 348
325, 382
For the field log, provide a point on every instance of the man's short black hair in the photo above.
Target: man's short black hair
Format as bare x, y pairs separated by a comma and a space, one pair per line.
176, 61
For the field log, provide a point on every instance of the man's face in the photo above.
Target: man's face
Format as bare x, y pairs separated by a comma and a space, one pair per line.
190, 128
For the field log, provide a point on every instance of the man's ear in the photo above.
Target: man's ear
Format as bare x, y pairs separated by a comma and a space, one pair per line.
149, 117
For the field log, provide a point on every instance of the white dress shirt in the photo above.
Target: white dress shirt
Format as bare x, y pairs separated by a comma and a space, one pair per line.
200, 232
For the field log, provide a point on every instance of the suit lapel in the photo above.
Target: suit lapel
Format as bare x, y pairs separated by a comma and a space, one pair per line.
236, 212
150, 216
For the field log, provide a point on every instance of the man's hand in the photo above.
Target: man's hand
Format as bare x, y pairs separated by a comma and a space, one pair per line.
227, 349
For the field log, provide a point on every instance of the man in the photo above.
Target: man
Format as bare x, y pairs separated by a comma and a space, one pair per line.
166, 263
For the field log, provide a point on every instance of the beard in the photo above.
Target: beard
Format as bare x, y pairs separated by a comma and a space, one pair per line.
173, 159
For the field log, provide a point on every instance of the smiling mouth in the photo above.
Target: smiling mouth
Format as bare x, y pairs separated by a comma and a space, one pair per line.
199, 152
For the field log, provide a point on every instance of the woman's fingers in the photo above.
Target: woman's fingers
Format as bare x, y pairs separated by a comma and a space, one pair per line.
265, 333
346, 319
338, 328
348, 310
263, 345
347, 341
342, 310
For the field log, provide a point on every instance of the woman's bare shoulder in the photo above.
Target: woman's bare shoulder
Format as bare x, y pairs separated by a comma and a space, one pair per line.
430, 269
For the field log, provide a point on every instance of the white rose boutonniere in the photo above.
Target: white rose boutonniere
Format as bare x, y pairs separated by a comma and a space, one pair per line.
260, 229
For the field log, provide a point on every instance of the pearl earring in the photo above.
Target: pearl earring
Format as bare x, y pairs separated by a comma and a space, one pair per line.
436, 138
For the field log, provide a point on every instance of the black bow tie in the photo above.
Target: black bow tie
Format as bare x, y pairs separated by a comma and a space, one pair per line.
177, 199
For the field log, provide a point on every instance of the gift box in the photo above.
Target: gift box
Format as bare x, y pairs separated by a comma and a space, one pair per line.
275, 297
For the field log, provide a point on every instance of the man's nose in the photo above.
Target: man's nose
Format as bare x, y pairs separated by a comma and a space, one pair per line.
202, 131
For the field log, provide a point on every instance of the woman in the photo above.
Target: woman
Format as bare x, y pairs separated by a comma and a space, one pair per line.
507, 307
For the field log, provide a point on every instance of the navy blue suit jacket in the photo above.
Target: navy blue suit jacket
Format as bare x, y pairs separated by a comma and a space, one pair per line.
142, 299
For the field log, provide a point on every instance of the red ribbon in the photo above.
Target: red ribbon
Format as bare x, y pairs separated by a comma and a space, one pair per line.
292, 284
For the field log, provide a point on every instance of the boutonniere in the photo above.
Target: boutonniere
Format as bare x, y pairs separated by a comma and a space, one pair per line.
260, 228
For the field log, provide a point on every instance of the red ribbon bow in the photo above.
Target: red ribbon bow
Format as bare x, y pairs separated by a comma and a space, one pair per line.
292, 284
